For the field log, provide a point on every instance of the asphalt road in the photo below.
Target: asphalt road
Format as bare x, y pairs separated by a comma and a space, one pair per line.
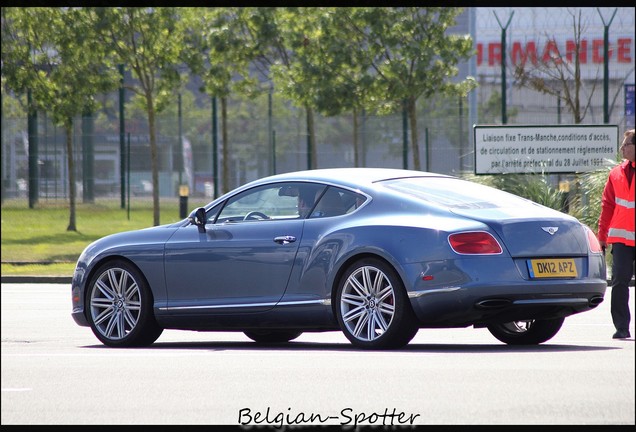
57, 373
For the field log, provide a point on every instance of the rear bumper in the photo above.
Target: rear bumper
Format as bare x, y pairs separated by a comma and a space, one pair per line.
476, 305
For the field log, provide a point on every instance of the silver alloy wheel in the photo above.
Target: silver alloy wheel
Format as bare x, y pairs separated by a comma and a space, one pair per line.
526, 332
518, 326
115, 303
367, 303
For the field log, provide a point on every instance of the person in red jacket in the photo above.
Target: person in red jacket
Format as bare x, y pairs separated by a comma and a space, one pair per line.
616, 227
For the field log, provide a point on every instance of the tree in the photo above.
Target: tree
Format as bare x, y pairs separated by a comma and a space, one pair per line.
278, 37
489, 112
46, 50
340, 75
223, 63
13, 106
150, 42
422, 67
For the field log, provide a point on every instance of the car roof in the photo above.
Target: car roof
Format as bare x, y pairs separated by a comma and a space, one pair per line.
352, 177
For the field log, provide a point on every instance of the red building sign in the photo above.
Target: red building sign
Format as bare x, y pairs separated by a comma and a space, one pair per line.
590, 52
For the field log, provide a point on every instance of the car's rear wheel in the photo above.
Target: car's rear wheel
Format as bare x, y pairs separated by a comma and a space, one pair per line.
529, 332
272, 336
372, 307
119, 305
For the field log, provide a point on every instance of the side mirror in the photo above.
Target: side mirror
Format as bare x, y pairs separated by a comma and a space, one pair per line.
197, 217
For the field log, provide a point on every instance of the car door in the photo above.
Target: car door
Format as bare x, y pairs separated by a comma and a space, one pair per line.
242, 261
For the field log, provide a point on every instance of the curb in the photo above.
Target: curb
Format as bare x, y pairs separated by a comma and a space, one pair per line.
37, 279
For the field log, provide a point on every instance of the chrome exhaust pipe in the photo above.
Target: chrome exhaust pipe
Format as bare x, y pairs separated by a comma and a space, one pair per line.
493, 303
596, 300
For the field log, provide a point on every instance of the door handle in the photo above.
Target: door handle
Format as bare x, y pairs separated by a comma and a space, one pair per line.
285, 239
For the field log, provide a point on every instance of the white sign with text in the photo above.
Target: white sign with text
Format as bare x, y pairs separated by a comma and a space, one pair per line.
544, 148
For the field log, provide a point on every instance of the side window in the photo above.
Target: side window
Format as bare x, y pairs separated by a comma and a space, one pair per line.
335, 202
305, 195
263, 203
211, 214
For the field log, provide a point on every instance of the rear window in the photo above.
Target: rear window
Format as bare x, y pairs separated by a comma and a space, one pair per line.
454, 193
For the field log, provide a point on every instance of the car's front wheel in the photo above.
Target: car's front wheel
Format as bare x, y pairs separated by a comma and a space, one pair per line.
119, 305
372, 307
529, 332
272, 336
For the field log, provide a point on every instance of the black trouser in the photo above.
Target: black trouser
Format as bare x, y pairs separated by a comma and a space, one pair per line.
622, 271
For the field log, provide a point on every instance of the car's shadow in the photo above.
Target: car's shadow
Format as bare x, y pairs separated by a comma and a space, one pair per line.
346, 347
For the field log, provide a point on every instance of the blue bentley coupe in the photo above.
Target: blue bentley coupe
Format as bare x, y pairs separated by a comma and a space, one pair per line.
374, 253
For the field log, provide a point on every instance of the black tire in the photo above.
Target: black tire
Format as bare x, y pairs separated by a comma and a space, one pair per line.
272, 336
372, 307
530, 332
119, 306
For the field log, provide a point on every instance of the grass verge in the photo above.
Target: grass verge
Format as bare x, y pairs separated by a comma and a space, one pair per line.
36, 242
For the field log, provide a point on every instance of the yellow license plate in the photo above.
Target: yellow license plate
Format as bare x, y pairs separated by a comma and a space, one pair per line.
552, 268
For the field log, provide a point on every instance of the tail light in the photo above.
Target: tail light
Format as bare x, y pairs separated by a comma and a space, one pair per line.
474, 243
592, 241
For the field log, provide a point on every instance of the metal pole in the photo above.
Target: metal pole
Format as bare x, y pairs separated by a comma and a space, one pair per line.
2, 159
274, 150
473, 117
215, 152
426, 143
32, 127
55, 158
606, 65
363, 138
128, 173
504, 115
46, 148
558, 107
181, 161
88, 159
272, 156
461, 137
309, 149
405, 137
183, 190
122, 144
